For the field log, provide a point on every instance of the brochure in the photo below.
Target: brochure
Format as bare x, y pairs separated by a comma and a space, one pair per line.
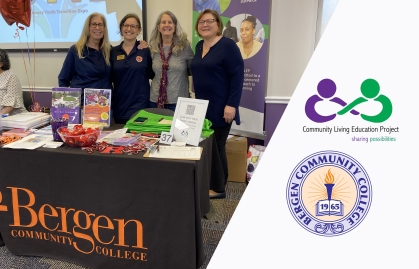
66, 104
22, 132
44, 130
97, 107
32, 141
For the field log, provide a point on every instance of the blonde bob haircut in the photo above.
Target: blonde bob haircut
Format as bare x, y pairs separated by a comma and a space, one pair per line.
104, 44
216, 17
180, 38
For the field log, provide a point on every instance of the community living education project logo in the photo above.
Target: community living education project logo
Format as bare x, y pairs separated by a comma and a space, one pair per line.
370, 90
329, 193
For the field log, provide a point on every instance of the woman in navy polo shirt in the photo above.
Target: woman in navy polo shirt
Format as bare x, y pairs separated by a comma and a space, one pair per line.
131, 71
87, 64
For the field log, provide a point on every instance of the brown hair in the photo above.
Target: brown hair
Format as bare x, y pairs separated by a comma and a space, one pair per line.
216, 17
180, 39
4, 59
124, 19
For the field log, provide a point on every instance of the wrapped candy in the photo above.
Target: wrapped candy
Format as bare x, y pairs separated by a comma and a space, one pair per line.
79, 136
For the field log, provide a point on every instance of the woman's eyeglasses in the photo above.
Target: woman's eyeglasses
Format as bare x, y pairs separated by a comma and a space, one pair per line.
130, 25
209, 22
94, 25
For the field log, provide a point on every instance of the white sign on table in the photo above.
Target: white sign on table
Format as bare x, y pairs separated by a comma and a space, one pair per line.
166, 138
188, 120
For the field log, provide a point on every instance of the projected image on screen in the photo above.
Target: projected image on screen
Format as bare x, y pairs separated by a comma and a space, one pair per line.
57, 24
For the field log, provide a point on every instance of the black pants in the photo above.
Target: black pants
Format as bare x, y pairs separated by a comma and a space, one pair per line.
221, 134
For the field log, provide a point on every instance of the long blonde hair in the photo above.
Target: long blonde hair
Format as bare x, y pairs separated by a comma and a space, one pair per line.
180, 38
104, 44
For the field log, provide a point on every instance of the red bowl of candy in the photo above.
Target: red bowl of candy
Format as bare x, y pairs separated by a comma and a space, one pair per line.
78, 136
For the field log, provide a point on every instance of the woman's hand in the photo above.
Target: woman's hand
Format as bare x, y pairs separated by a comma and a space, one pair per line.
7, 110
143, 45
229, 113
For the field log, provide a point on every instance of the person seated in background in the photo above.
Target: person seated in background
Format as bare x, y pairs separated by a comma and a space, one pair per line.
11, 98
172, 55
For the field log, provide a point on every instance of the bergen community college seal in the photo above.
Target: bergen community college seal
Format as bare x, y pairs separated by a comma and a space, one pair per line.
329, 193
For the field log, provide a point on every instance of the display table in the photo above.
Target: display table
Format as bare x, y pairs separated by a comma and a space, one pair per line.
105, 211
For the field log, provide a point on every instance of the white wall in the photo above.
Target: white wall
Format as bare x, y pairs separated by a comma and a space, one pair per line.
291, 43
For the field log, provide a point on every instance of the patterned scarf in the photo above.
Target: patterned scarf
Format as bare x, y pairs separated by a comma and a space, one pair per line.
163, 79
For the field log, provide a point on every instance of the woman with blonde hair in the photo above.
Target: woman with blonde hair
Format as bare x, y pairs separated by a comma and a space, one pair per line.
172, 54
87, 64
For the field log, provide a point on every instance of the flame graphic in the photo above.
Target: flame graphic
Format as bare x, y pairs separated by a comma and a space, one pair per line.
329, 179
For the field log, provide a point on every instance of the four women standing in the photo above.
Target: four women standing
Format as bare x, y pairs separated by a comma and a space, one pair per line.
217, 69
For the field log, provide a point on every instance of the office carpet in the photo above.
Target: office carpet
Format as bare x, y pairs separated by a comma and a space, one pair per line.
213, 228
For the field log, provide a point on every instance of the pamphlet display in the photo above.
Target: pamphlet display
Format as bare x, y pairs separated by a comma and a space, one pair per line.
97, 107
26, 120
188, 120
66, 104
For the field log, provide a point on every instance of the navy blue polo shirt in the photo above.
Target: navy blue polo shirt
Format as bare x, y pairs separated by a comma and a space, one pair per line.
130, 77
90, 71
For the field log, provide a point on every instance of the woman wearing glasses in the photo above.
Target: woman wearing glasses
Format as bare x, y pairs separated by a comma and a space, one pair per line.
87, 64
131, 71
218, 74
172, 55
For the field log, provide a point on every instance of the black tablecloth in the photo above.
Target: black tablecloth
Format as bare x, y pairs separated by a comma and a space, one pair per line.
105, 211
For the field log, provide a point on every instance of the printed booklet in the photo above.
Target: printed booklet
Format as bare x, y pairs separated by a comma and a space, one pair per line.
97, 107
66, 104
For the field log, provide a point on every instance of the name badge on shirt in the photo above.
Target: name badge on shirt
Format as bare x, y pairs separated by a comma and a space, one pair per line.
120, 57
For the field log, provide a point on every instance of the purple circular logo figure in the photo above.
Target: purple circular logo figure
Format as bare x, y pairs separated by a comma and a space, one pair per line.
326, 89
329, 193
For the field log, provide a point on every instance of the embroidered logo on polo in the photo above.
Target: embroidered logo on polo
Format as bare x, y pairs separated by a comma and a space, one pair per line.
329, 193
139, 59
370, 90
